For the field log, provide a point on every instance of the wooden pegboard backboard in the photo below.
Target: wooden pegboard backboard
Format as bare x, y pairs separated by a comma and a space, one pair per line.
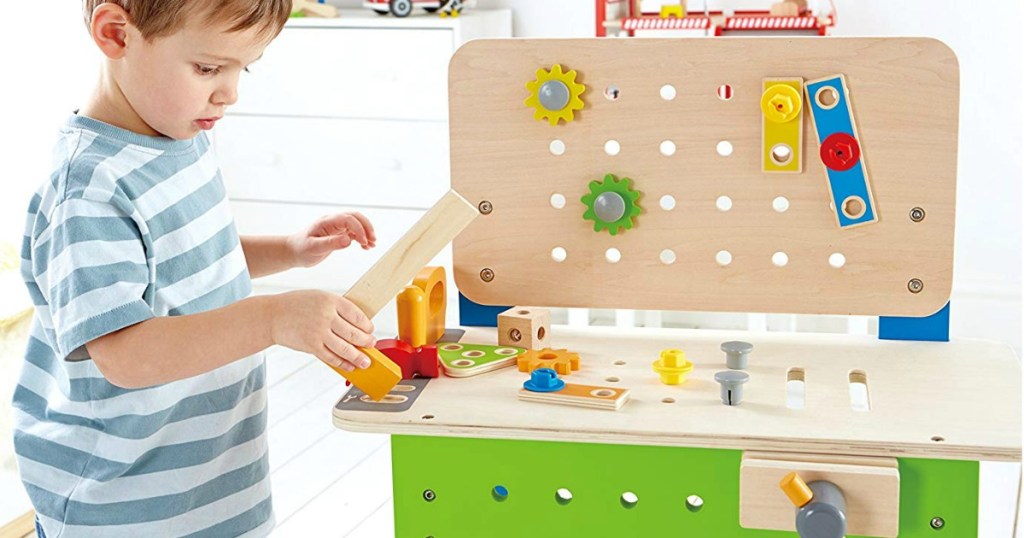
905, 97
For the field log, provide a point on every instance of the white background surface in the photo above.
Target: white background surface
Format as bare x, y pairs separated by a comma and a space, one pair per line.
49, 65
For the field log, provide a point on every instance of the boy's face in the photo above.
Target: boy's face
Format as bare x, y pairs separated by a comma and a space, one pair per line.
181, 84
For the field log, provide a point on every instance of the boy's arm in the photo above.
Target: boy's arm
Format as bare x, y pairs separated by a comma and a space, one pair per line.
169, 348
266, 255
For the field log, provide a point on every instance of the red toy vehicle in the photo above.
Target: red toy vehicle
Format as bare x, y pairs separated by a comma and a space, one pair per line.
402, 8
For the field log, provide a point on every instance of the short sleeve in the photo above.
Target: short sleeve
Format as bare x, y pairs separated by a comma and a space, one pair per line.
90, 265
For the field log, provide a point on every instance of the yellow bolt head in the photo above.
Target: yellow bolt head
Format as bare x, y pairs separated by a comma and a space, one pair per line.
672, 367
673, 358
781, 103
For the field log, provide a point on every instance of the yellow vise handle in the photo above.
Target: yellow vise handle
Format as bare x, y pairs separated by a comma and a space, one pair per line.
796, 489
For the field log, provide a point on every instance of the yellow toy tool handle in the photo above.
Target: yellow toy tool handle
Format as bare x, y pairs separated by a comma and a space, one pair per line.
796, 489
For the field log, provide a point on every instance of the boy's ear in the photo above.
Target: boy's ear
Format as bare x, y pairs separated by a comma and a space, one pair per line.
109, 28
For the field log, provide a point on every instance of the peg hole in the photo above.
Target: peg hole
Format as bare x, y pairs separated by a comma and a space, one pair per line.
795, 379
780, 204
827, 97
667, 202
558, 200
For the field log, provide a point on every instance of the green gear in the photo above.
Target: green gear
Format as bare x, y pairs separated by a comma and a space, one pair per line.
621, 192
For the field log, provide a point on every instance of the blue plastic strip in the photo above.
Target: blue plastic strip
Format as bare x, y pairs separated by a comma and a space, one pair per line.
934, 328
839, 119
477, 315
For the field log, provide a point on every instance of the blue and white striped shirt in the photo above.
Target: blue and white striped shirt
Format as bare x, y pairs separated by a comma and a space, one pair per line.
130, 227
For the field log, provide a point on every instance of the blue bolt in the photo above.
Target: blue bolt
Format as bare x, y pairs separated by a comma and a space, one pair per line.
544, 380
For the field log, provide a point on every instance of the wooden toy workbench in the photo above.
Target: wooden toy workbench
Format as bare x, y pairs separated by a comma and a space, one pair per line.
761, 175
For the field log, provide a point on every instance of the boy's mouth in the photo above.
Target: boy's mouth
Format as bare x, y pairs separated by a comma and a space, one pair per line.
207, 123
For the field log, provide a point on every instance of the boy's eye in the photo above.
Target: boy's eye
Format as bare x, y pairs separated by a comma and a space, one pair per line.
207, 69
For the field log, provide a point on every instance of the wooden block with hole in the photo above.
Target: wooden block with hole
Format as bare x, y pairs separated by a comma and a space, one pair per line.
871, 487
524, 326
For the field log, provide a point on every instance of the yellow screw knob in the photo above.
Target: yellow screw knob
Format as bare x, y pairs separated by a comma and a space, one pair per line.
796, 489
781, 103
672, 367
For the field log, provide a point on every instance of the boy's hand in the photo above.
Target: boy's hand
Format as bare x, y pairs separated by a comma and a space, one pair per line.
330, 233
322, 324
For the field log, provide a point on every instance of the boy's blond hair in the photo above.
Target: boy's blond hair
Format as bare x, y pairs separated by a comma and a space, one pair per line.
156, 18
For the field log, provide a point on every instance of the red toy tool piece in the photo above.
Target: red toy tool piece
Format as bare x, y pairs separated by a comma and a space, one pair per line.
422, 361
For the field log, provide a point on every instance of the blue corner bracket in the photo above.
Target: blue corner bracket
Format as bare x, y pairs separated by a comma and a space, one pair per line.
478, 315
933, 328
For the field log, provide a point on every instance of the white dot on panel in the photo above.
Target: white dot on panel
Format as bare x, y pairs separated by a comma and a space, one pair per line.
723, 203
780, 259
837, 260
668, 202
724, 148
724, 257
612, 147
667, 257
668, 148
557, 147
558, 254
557, 200
780, 204
613, 255
668, 92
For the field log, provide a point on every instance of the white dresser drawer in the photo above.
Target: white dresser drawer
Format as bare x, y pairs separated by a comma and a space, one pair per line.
351, 73
352, 162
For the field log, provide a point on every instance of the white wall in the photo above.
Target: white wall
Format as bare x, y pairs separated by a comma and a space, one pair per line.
43, 86
48, 70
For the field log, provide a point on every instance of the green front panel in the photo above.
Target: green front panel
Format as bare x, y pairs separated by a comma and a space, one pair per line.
463, 474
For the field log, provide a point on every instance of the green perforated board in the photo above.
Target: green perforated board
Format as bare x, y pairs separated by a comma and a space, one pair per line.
463, 473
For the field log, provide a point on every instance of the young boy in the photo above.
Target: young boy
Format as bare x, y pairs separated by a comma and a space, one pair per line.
141, 408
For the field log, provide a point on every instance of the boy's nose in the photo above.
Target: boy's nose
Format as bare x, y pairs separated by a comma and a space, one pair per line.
225, 96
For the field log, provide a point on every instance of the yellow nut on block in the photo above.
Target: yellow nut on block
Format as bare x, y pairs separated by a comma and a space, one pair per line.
672, 367
781, 103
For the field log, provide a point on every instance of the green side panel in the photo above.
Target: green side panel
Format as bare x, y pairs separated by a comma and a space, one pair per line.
463, 474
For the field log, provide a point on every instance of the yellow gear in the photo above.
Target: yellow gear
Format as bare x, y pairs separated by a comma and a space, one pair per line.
562, 361
555, 95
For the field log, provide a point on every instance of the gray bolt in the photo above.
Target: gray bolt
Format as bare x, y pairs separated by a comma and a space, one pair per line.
825, 515
915, 285
917, 214
428, 495
609, 206
736, 354
486, 275
732, 385
553, 95
485, 207
938, 523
